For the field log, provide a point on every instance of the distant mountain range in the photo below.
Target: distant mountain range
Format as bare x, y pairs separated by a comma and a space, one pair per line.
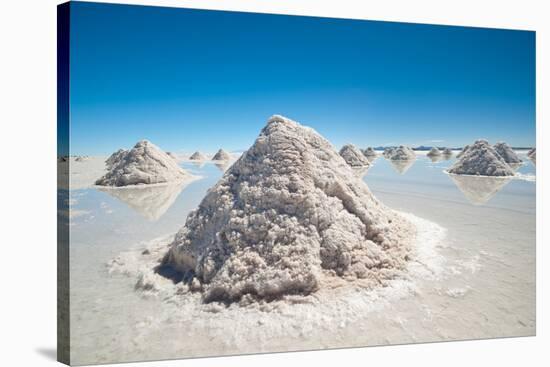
426, 148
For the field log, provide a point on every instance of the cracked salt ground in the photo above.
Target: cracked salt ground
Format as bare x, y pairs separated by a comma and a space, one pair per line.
486, 287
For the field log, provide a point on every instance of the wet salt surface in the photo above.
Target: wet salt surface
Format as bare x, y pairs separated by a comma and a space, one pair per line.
486, 288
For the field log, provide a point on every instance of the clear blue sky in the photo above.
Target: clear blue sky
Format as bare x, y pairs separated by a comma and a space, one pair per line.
199, 80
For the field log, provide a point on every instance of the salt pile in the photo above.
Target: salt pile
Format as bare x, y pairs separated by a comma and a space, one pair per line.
402, 153
369, 153
447, 152
353, 156
221, 155
532, 154
145, 163
114, 158
506, 152
434, 152
480, 159
197, 156
288, 218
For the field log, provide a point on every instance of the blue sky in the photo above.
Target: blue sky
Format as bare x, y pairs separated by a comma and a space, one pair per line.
199, 80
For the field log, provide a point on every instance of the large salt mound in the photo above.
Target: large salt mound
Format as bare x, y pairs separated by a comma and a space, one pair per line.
402, 153
197, 156
145, 163
506, 152
285, 219
480, 159
221, 155
353, 156
434, 152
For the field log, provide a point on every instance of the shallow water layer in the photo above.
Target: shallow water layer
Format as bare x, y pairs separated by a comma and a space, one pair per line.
486, 287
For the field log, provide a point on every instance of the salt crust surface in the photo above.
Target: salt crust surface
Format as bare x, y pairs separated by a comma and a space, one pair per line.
353, 156
144, 164
288, 217
336, 304
481, 159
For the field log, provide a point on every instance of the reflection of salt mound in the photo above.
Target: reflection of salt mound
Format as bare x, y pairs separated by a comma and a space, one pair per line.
221, 155
353, 156
402, 166
436, 158
197, 156
150, 201
479, 190
145, 163
434, 152
115, 157
222, 166
370, 153
506, 152
480, 159
402, 153
287, 217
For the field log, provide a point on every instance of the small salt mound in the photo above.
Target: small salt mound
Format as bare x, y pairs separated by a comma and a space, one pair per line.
285, 219
115, 158
434, 152
388, 152
369, 152
506, 152
447, 152
480, 159
145, 163
353, 156
221, 155
402, 153
532, 154
81, 158
197, 156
